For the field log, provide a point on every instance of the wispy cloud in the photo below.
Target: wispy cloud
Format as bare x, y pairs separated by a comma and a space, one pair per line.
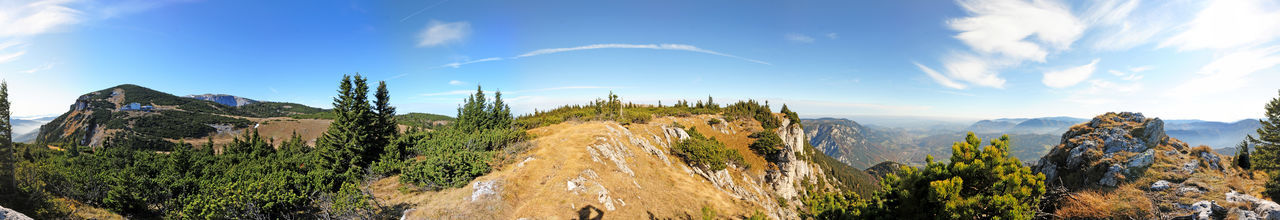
459, 64
1005, 27
678, 47
832, 36
457, 83
1227, 24
1070, 76
1228, 72
1005, 33
939, 78
798, 38
36, 17
44, 67
440, 33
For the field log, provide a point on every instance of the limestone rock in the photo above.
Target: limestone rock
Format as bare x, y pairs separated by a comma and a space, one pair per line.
6, 214
1264, 209
1160, 185
1113, 176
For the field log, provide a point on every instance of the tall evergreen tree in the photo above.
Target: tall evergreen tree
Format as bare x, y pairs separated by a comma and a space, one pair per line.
7, 183
472, 116
384, 124
500, 113
1267, 144
6, 126
342, 146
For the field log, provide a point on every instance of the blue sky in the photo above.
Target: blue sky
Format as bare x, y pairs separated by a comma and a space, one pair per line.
1212, 60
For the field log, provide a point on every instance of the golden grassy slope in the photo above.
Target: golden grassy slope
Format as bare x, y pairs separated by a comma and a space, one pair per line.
537, 185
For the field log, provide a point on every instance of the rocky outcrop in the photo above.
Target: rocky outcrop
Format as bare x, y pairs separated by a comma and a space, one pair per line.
6, 214
1263, 209
227, 100
1105, 151
791, 169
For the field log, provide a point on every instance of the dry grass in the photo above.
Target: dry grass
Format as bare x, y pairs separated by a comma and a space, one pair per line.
278, 130
537, 187
1122, 203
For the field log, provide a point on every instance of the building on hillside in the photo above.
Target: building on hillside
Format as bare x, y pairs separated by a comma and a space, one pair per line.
131, 107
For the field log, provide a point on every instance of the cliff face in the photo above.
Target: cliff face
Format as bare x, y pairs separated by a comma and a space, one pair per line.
628, 172
846, 141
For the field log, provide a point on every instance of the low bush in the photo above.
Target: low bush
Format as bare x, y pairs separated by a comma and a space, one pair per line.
707, 153
767, 143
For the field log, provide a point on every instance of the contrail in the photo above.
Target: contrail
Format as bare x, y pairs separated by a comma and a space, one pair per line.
422, 10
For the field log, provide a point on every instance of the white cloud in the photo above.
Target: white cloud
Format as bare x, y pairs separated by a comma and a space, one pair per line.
680, 47
939, 78
6, 57
973, 70
457, 83
440, 33
1228, 72
1004, 27
1004, 34
832, 36
1141, 69
26, 19
1070, 76
1225, 24
799, 38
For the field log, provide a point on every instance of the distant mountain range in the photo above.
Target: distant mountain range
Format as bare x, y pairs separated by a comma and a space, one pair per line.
862, 146
25, 130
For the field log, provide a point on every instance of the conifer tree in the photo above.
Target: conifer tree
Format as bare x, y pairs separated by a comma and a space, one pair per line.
342, 145
980, 182
6, 126
384, 124
1267, 144
8, 184
500, 113
1242, 156
472, 116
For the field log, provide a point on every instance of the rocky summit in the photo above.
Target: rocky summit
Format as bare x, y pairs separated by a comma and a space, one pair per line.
1104, 150
1124, 165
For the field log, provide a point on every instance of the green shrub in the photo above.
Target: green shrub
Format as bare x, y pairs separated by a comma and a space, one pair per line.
981, 182
706, 153
767, 143
447, 169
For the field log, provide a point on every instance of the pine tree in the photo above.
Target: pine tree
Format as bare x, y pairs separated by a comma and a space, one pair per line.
343, 144
1267, 144
500, 113
6, 126
980, 182
384, 124
1242, 156
472, 116
7, 183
